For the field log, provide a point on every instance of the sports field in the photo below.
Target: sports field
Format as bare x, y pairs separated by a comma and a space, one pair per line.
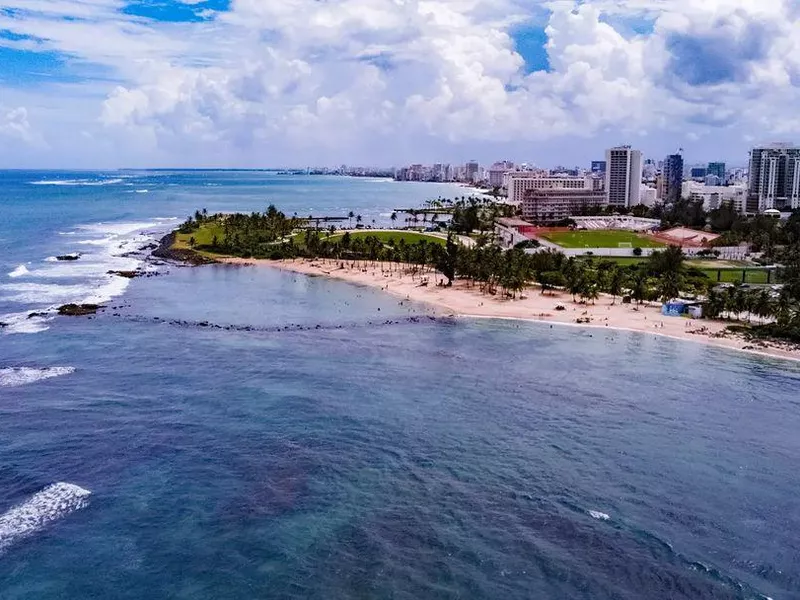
604, 238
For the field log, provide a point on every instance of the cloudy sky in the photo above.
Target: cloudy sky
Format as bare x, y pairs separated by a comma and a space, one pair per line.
110, 83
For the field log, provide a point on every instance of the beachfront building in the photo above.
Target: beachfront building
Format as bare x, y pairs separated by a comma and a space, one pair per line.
472, 171
774, 178
518, 184
497, 171
546, 206
623, 176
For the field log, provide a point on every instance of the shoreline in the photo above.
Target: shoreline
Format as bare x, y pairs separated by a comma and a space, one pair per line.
464, 301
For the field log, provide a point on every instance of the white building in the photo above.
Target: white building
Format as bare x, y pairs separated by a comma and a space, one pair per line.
518, 183
496, 172
648, 195
713, 196
623, 176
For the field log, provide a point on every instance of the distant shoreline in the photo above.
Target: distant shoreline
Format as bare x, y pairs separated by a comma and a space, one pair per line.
464, 301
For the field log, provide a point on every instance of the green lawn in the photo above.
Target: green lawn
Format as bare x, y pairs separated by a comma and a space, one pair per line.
600, 239
727, 272
410, 237
202, 237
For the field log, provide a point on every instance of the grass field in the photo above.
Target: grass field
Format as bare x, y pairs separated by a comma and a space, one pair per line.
600, 239
410, 237
202, 237
724, 272
205, 234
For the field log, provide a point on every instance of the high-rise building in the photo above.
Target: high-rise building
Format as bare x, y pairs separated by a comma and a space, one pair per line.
716, 168
649, 170
623, 176
599, 166
672, 179
774, 178
471, 171
496, 172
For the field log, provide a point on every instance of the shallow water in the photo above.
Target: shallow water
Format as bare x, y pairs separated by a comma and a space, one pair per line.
346, 446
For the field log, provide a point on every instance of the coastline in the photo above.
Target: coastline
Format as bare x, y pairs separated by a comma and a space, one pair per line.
465, 301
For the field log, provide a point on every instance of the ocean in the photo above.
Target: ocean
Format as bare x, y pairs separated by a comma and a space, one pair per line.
239, 433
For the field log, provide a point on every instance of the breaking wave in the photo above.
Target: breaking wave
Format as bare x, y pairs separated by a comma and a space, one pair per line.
77, 182
19, 272
97, 250
16, 376
40, 510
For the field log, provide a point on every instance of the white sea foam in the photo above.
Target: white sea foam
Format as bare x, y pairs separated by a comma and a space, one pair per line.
104, 247
77, 182
19, 272
16, 376
41, 293
24, 323
599, 515
40, 510
141, 191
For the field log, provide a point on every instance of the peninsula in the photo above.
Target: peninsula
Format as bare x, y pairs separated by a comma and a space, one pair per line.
482, 280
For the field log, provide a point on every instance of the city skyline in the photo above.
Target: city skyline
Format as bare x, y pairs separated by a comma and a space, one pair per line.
235, 83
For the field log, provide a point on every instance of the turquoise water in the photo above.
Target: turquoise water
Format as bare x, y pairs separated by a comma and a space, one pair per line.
249, 433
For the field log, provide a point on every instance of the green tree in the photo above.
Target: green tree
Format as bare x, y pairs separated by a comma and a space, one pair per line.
447, 259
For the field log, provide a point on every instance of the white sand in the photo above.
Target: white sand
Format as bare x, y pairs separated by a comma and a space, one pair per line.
464, 300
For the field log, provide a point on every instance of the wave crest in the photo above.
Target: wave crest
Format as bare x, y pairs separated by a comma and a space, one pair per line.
50, 504
16, 376
20, 271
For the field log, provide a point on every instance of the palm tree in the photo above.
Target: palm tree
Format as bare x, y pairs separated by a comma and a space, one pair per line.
393, 218
358, 220
573, 277
350, 216
639, 287
616, 279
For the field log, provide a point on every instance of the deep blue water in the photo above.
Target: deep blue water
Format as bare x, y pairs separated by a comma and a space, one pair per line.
346, 446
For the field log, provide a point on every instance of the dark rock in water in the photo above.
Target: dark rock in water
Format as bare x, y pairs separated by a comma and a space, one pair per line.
78, 310
33, 315
126, 274
3, 324
68, 257
148, 247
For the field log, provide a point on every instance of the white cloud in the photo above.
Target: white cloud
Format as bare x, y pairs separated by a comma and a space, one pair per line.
390, 80
14, 124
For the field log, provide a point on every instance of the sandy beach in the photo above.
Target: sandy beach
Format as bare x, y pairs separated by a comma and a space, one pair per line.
465, 300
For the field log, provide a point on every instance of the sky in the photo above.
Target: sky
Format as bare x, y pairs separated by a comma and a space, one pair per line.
293, 83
